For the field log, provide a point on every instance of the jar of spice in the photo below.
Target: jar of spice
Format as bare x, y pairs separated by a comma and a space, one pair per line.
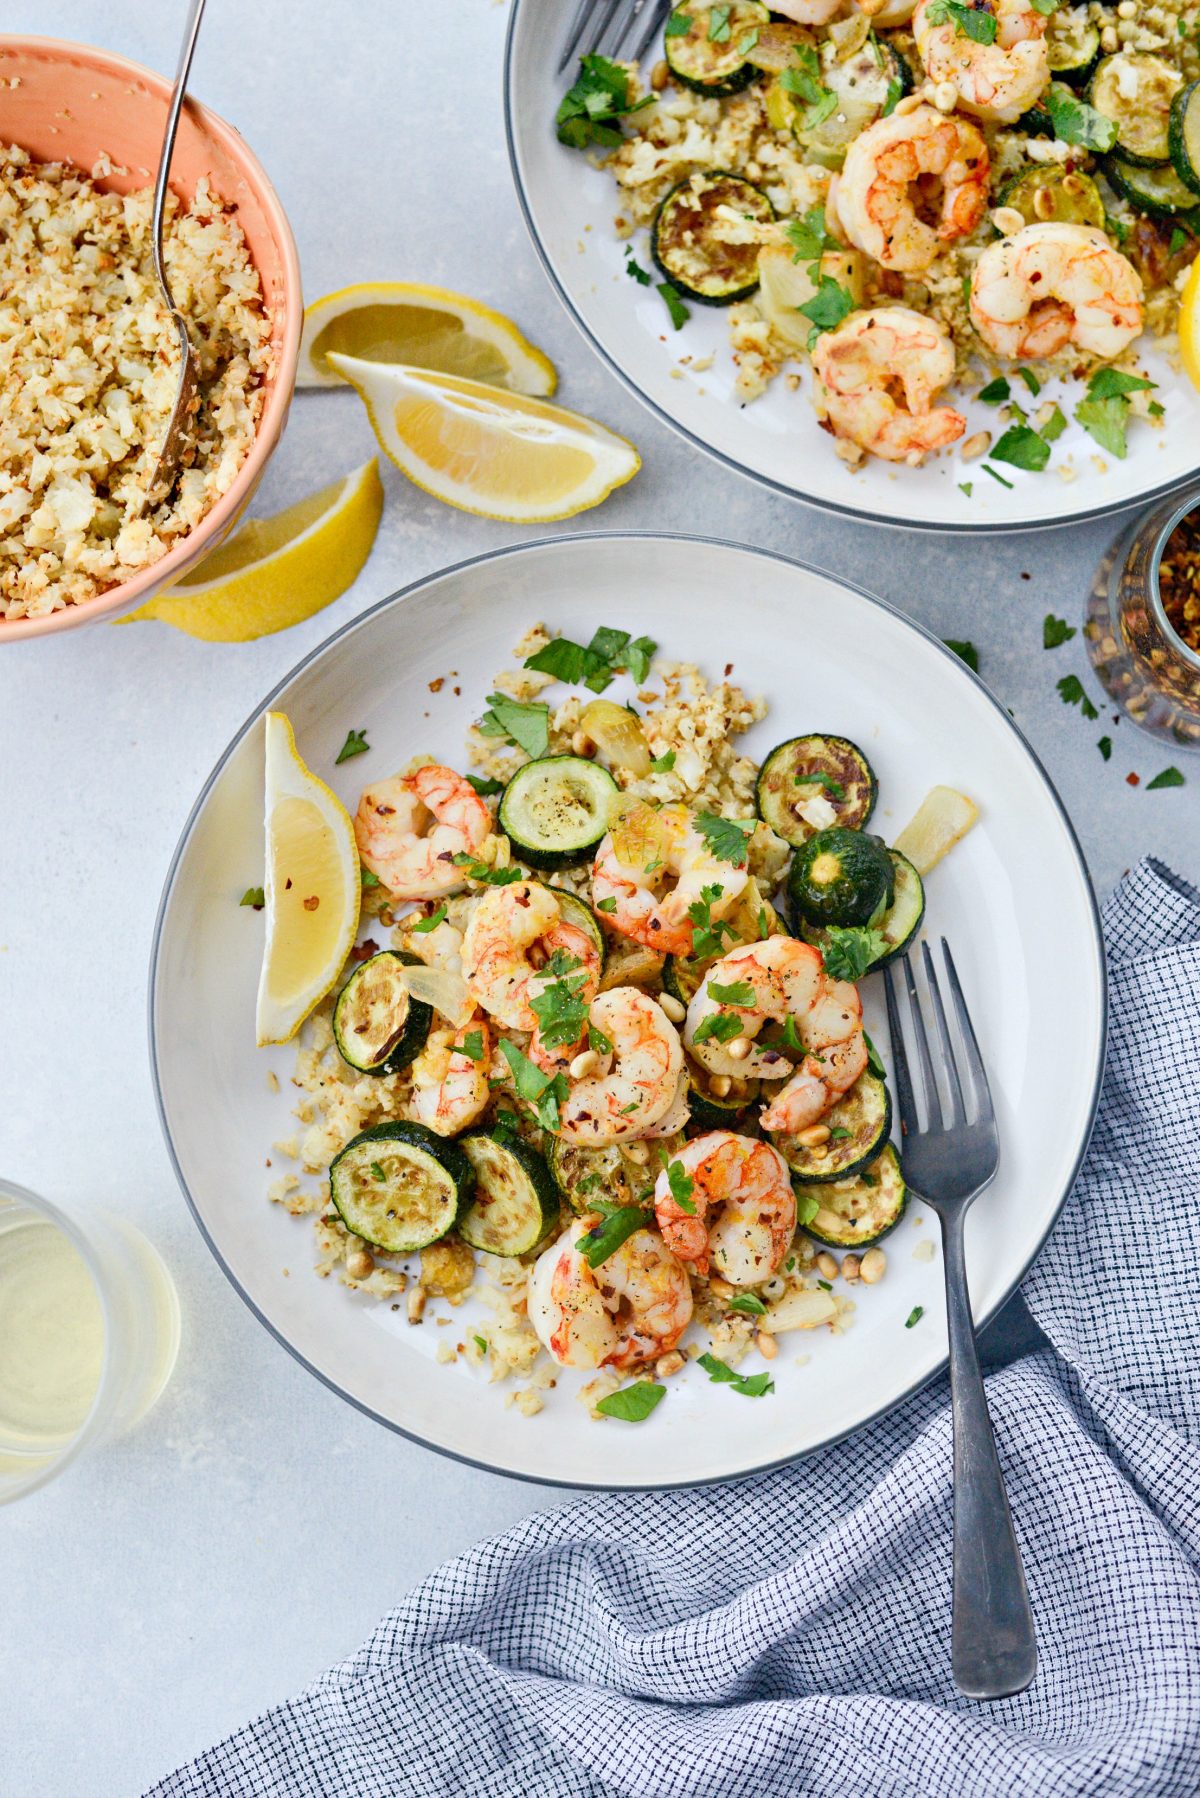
1143, 621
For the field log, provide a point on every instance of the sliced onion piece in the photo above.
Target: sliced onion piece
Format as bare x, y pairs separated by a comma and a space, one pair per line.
618, 735
446, 992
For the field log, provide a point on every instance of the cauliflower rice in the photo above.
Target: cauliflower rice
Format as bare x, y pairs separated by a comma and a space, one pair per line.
90, 362
700, 723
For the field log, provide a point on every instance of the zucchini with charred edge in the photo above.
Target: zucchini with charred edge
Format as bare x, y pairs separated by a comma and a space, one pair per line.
1185, 135
853, 1214
555, 811
1159, 193
687, 244
378, 1027
585, 1176
858, 1125
815, 768
712, 56
1135, 90
1054, 195
899, 924
707, 1112
516, 1200
1072, 45
400, 1187
841, 877
864, 84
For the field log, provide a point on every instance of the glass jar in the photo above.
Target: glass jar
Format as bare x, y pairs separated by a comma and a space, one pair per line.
1137, 654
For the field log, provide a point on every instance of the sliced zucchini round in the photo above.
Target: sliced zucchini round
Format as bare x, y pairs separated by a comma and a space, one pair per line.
1184, 135
899, 924
574, 911
584, 1176
775, 46
708, 48
516, 1200
1052, 194
857, 1212
555, 811
858, 1124
687, 241
810, 783
378, 1027
708, 1112
751, 919
865, 85
1159, 192
1135, 91
1072, 44
842, 877
399, 1186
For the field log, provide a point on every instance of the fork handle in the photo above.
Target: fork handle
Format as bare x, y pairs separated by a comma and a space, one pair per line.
994, 1646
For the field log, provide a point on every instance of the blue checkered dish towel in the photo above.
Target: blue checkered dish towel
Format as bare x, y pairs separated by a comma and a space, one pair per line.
788, 1637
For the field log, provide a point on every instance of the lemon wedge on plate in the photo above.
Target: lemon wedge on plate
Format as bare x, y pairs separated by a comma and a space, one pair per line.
312, 890
274, 572
425, 327
502, 455
1189, 323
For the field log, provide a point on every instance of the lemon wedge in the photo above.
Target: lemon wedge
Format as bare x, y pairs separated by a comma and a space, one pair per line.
312, 890
274, 572
425, 327
1189, 324
502, 455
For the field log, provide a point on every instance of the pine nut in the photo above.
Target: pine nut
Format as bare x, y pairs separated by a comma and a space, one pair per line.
975, 446
814, 1136
638, 1153
660, 74
740, 1047
768, 1348
416, 1304
1043, 203
720, 1289
666, 1365
874, 1266
945, 96
587, 1062
720, 1086
827, 1266
360, 1263
851, 1267
672, 1008
909, 104
1007, 220
581, 744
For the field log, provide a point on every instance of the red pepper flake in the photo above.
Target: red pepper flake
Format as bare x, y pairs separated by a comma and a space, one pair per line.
364, 951
312, 902
1133, 780
287, 886
435, 686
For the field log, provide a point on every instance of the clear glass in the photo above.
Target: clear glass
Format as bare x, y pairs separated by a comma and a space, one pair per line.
1138, 656
124, 1308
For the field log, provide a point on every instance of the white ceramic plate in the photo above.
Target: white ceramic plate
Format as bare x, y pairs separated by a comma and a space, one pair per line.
569, 207
1013, 899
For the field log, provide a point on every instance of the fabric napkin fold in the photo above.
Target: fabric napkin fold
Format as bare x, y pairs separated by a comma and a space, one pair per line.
788, 1636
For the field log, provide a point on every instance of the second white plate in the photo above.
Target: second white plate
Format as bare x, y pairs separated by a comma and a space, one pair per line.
1013, 899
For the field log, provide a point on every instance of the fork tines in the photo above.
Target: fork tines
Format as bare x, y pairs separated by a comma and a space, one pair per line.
622, 29
963, 1094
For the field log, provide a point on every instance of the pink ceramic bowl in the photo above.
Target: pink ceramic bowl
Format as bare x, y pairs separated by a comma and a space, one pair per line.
67, 102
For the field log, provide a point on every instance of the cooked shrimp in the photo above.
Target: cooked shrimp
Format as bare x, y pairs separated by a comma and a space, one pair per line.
450, 1086
819, 1082
809, 12
410, 828
770, 982
743, 1210
911, 183
874, 381
637, 1081
632, 1308
997, 81
651, 868
516, 944
1052, 286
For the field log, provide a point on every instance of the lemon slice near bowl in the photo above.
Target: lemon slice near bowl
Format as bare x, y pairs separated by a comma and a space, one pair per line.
502, 455
425, 327
275, 572
1189, 324
312, 889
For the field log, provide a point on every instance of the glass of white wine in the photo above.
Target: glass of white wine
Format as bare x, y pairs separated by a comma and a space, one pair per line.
89, 1330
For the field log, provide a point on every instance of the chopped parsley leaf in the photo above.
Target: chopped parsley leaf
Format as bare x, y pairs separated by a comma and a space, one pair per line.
726, 837
708, 933
545, 1092
1170, 777
674, 304
1056, 631
749, 1385
472, 1045
718, 24
355, 744
967, 22
632, 1404
524, 722
850, 953
748, 1303
1105, 748
739, 993
964, 650
1104, 413
606, 905
723, 1026
369, 880
1070, 691
594, 664
484, 786
681, 1183
254, 897
634, 270
431, 922
1075, 122
826, 782
618, 1223
995, 393
914, 1317
662, 764
590, 111
489, 877
1022, 447
377, 1172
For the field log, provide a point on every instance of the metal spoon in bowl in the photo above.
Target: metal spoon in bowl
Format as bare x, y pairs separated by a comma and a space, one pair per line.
170, 455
